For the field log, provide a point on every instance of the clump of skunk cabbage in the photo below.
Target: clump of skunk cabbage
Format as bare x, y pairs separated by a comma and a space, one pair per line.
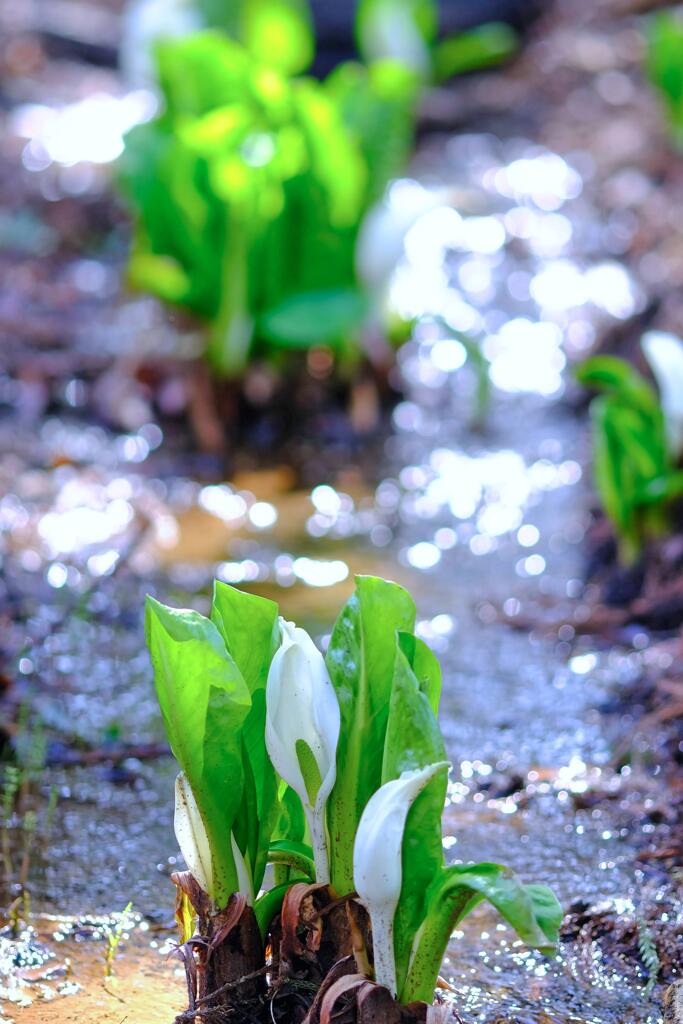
334, 770
637, 439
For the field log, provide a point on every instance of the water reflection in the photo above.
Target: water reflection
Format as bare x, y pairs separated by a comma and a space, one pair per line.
90, 130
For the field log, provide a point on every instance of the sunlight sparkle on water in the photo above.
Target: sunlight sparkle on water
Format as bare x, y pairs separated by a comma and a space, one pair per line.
90, 130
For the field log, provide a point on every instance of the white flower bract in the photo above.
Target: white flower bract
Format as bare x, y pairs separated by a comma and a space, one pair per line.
191, 835
302, 707
377, 852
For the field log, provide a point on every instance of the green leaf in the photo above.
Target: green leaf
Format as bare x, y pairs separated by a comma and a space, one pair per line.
616, 377
291, 822
204, 702
160, 275
361, 661
533, 911
298, 856
413, 740
270, 903
480, 48
425, 665
662, 489
315, 318
378, 107
665, 65
630, 453
279, 33
249, 627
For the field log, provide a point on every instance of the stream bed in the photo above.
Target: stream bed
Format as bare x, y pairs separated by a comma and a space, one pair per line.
483, 519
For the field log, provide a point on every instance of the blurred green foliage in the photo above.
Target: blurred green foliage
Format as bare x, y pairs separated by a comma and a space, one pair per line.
276, 32
635, 475
408, 30
250, 187
665, 67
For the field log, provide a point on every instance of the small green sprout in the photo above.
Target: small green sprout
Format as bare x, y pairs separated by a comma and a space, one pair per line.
649, 955
115, 934
10, 788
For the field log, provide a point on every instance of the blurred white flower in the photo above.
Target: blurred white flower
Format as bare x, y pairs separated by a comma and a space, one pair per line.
145, 22
664, 353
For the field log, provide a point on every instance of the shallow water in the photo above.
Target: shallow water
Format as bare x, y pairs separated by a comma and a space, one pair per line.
474, 521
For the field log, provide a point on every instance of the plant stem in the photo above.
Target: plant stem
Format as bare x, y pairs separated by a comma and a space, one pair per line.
382, 920
316, 823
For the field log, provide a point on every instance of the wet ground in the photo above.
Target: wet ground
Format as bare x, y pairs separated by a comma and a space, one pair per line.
105, 500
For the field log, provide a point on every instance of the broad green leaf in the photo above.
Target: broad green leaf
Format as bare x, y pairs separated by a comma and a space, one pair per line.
662, 489
425, 665
270, 903
361, 662
297, 856
377, 105
533, 911
248, 625
614, 479
279, 33
616, 377
200, 72
665, 65
161, 275
315, 318
275, 32
480, 48
413, 740
204, 702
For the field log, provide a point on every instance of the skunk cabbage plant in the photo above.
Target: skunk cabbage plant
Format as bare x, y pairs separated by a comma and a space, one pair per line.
247, 697
248, 191
637, 440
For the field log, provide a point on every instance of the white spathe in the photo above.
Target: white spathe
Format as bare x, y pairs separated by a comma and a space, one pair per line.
390, 31
377, 854
301, 705
146, 21
381, 239
245, 880
191, 835
664, 353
